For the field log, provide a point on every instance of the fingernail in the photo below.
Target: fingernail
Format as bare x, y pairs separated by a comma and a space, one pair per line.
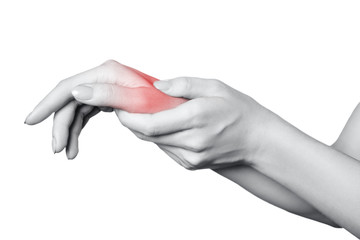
162, 85
54, 145
82, 92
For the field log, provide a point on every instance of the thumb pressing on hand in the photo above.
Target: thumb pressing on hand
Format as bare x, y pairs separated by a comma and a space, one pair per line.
135, 100
189, 87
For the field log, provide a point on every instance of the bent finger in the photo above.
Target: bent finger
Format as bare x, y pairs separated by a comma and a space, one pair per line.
175, 156
61, 124
72, 147
186, 139
90, 115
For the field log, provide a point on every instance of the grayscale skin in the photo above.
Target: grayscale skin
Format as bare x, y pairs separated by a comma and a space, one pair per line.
251, 146
280, 196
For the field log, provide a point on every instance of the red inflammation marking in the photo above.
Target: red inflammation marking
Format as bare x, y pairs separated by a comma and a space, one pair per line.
145, 99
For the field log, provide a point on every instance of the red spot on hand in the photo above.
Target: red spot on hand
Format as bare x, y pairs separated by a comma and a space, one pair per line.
144, 99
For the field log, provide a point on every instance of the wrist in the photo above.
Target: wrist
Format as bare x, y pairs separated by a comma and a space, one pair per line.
270, 135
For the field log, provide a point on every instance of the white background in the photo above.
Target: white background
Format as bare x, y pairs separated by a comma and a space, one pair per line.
299, 58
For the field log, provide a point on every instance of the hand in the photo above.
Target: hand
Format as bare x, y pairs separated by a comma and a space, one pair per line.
110, 85
218, 127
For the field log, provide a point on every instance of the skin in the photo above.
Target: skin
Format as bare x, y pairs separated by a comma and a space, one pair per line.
251, 146
126, 88
280, 196
113, 85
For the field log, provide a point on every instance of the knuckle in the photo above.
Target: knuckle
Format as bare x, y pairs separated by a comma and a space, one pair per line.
142, 136
187, 164
217, 84
150, 131
85, 109
201, 146
195, 110
108, 66
196, 161
124, 121
61, 83
181, 160
110, 62
198, 144
189, 167
74, 104
186, 83
197, 114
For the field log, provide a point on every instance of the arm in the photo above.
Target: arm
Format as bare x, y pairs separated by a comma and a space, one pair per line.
349, 139
272, 192
196, 134
276, 194
327, 179
70, 118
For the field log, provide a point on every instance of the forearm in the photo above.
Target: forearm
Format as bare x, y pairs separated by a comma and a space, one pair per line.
327, 179
272, 192
276, 194
349, 139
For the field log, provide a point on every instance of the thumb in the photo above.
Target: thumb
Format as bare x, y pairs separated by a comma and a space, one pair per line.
189, 87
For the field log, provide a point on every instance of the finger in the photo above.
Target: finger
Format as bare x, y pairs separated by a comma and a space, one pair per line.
190, 160
165, 122
170, 152
60, 96
72, 147
183, 139
190, 87
93, 112
136, 100
61, 124
106, 109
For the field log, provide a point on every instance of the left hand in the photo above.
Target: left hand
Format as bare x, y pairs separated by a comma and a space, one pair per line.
107, 86
218, 127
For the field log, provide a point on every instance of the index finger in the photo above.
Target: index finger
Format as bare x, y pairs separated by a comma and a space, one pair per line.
60, 96
177, 119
